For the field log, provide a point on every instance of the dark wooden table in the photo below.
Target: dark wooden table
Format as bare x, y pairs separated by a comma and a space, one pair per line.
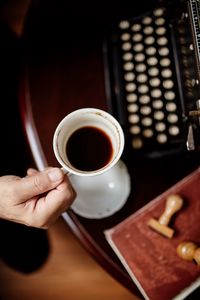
64, 71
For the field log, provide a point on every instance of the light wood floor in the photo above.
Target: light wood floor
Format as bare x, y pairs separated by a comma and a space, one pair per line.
69, 272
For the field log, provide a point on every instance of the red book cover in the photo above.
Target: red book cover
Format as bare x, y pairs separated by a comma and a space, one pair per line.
150, 258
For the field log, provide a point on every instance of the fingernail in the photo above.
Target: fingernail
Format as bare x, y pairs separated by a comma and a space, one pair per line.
55, 175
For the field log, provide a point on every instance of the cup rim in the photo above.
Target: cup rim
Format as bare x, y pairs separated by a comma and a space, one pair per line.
108, 116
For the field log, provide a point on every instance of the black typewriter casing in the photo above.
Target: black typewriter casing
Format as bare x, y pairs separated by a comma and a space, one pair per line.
152, 79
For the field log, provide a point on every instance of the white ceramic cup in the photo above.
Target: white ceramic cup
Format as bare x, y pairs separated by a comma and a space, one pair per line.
87, 117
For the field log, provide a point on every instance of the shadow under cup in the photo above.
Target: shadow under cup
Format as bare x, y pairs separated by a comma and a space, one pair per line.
82, 122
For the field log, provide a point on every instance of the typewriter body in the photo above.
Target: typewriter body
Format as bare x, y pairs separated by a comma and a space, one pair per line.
152, 70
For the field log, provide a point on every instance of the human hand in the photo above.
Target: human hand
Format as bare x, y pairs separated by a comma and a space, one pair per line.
36, 200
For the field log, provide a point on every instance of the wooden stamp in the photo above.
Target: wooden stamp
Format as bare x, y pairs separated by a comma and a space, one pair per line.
189, 251
173, 204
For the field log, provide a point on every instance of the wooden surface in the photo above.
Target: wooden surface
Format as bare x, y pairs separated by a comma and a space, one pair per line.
68, 272
152, 258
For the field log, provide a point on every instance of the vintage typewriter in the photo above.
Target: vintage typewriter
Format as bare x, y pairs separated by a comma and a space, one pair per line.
152, 71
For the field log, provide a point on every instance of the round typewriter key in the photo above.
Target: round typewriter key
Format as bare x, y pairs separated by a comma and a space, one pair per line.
160, 126
169, 95
156, 93
128, 66
150, 50
143, 88
163, 51
124, 24
131, 97
148, 133
140, 67
152, 61
165, 62
146, 121
138, 47
148, 30
160, 21
141, 78
134, 118
139, 57
161, 138
130, 87
137, 37
157, 104
129, 76
125, 37
153, 71
127, 56
166, 73
162, 41
160, 31
158, 12
172, 118
159, 115
147, 20
136, 27
145, 110
126, 46
137, 143
171, 106
135, 129
154, 82
132, 108
168, 84
144, 99
174, 130
149, 40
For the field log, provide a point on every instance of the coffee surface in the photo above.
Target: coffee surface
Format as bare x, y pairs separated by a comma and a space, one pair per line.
89, 148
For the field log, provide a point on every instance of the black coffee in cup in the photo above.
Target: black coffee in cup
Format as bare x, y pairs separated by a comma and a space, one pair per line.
89, 148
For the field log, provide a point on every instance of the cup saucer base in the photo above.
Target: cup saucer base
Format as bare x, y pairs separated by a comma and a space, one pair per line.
102, 195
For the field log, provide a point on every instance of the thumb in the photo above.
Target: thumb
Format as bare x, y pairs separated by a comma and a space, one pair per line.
39, 183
